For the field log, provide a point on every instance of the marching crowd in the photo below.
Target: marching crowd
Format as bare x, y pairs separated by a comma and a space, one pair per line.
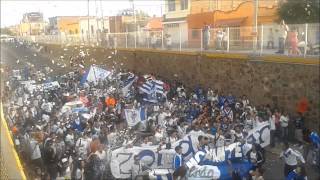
76, 142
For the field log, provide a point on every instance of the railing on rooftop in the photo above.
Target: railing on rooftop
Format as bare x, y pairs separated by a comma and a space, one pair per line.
223, 40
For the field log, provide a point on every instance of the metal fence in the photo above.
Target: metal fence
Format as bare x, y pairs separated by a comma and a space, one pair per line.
302, 37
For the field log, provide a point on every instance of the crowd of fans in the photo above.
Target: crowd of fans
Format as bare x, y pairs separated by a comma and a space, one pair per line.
60, 142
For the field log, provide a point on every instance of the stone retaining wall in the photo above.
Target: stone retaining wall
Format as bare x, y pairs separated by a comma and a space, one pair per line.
277, 84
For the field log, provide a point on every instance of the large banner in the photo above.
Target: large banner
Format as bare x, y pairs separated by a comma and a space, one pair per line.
260, 134
122, 158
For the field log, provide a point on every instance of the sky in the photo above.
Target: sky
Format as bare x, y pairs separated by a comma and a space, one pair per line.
13, 10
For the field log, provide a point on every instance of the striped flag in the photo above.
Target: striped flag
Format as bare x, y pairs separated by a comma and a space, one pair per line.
152, 86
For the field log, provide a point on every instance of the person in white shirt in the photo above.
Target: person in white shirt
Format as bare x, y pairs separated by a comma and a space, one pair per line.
272, 123
35, 149
35, 155
146, 142
283, 32
173, 137
82, 146
219, 139
291, 158
284, 122
159, 134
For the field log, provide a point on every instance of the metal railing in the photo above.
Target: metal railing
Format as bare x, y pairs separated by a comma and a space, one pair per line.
304, 38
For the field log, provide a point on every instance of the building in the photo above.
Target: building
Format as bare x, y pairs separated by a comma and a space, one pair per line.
64, 25
96, 29
175, 20
235, 17
154, 24
201, 6
116, 24
32, 24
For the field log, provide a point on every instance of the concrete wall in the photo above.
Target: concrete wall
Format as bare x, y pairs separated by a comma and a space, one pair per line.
264, 82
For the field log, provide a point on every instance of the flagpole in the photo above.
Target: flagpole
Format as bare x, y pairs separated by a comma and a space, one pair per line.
94, 73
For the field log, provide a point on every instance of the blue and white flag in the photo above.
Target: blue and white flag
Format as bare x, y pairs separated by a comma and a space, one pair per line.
126, 84
134, 116
95, 74
152, 86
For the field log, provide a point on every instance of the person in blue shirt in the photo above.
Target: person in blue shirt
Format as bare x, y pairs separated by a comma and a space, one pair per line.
76, 125
179, 169
222, 100
231, 100
177, 158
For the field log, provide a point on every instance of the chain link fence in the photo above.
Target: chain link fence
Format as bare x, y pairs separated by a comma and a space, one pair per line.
264, 40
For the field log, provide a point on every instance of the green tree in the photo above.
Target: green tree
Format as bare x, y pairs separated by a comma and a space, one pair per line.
300, 11
7, 31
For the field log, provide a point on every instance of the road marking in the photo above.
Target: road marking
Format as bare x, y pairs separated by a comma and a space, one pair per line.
18, 162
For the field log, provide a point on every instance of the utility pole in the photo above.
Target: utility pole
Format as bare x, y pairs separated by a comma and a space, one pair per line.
256, 11
88, 34
97, 23
102, 14
135, 24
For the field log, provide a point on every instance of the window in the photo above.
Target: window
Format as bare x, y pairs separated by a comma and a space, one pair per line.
171, 5
92, 31
184, 4
195, 33
173, 25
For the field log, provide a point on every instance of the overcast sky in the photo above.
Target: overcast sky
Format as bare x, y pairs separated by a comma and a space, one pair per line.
12, 10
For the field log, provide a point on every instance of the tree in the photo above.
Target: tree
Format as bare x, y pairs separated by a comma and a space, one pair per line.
300, 11
6, 31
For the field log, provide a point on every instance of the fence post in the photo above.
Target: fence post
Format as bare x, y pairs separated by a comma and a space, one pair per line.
228, 42
180, 47
261, 40
201, 40
161, 39
148, 39
305, 40
135, 39
126, 40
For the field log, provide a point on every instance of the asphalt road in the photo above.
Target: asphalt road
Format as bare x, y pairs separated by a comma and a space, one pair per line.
10, 53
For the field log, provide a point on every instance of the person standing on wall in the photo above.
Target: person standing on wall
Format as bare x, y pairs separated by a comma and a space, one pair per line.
168, 41
270, 44
153, 40
206, 36
283, 32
